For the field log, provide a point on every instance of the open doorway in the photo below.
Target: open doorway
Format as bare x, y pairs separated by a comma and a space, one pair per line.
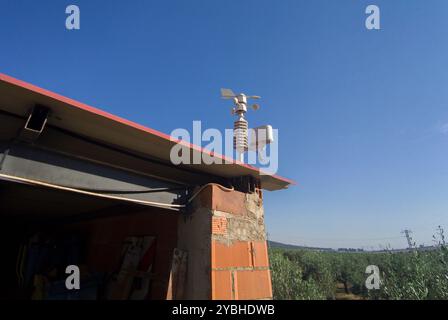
123, 250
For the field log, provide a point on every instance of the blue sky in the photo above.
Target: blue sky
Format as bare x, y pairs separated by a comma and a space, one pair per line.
362, 115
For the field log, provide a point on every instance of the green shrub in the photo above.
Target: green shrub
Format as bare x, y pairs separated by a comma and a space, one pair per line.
287, 280
415, 274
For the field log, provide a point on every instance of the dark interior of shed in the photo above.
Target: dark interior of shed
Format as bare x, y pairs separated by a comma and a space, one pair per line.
123, 250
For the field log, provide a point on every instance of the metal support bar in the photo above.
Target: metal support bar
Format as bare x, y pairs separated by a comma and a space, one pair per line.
28, 163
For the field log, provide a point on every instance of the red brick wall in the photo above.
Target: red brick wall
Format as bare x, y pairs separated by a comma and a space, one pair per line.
239, 257
242, 266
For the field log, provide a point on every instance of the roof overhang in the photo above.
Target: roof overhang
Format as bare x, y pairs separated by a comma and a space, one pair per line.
18, 97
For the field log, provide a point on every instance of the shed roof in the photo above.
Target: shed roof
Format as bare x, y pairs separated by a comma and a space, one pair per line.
17, 97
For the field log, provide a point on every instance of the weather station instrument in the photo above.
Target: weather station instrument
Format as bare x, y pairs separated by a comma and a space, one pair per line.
260, 136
